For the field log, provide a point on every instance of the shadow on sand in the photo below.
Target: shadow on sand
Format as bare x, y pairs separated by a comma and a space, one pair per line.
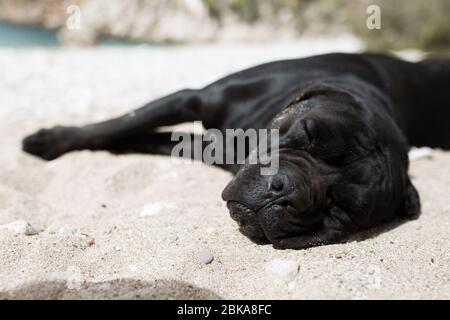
383, 228
129, 289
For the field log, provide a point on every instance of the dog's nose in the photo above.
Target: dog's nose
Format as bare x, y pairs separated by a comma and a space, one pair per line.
248, 188
277, 183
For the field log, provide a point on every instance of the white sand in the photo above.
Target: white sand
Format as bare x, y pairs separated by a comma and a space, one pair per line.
106, 249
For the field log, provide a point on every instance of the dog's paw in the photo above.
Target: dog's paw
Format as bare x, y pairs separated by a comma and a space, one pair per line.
411, 206
50, 144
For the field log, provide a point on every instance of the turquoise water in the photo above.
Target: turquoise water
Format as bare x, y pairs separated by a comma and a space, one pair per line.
21, 36
29, 36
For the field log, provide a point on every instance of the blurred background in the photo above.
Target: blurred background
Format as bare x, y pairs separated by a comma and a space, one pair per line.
100, 58
405, 24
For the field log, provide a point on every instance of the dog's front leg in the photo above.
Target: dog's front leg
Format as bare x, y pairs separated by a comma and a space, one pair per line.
177, 108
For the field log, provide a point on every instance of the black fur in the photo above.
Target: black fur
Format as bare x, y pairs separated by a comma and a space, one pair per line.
346, 123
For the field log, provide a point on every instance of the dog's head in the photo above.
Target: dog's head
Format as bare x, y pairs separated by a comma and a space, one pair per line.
268, 208
320, 148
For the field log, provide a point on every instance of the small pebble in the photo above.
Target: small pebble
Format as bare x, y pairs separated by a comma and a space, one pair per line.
420, 153
67, 231
90, 241
20, 227
205, 257
153, 209
282, 270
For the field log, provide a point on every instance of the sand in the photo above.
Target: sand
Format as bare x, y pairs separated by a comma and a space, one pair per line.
96, 241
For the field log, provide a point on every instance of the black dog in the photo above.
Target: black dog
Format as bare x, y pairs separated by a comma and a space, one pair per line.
345, 121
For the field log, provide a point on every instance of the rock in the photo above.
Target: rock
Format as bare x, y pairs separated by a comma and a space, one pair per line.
420, 153
20, 227
67, 231
205, 257
282, 270
153, 209
90, 242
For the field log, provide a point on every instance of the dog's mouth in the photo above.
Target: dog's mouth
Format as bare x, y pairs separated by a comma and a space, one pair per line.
238, 208
247, 221
247, 218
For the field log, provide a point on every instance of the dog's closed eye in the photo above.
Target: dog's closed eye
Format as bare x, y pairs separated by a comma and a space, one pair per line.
298, 134
308, 127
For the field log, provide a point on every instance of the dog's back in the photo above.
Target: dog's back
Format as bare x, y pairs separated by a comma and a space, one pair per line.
421, 92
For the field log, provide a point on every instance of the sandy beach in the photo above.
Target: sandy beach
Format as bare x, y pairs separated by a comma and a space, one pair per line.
142, 227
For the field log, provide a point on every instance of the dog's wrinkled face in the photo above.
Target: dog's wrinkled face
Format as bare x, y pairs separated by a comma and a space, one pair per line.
322, 140
269, 208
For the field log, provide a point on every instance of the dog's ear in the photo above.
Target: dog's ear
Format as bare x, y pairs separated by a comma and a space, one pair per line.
375, 187
411, 205
364, 184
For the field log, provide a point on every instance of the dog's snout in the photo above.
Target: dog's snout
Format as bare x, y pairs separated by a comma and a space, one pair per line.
255, 191
226, 194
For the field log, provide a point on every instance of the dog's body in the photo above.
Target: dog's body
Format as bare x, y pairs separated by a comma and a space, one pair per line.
345, 121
